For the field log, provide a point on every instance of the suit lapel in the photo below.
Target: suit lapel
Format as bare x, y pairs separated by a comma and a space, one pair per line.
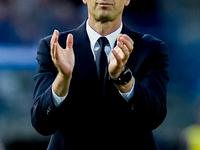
84, 59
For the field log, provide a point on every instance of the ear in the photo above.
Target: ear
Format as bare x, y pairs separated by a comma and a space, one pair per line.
84, 1
127, 2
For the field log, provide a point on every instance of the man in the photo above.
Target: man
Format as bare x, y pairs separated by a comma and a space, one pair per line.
100, 86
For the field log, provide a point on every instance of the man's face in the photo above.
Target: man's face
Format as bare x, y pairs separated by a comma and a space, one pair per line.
106, 10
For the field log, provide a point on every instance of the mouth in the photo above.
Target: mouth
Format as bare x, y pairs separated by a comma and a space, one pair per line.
104, 4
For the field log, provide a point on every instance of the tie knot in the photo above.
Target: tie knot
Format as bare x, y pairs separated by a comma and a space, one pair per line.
103, 41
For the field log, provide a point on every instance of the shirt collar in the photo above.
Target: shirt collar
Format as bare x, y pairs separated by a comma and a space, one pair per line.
94, 36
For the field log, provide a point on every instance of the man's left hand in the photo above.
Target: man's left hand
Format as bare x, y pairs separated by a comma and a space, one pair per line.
120, 55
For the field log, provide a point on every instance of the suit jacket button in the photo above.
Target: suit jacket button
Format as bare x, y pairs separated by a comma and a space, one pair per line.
48, 110
133, 107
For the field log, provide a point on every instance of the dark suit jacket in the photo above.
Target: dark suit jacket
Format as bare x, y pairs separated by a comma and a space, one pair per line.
92, 119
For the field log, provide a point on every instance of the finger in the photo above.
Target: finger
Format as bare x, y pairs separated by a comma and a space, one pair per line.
55, 34
54, 40
117, 57
128, 42
52, 46
121, 46
119, 36
54, 49
70, 42
124, 50
128, 38
52, 52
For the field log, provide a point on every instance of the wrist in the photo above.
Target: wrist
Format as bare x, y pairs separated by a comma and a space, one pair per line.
64, 77
61, 84
127, 87
124, 78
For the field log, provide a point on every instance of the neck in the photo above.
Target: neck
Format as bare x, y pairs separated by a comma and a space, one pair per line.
105, 28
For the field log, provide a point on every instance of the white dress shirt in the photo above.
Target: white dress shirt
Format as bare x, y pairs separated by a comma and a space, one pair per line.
93, 37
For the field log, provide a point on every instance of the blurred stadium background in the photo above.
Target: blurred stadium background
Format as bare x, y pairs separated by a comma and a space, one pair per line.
24, 22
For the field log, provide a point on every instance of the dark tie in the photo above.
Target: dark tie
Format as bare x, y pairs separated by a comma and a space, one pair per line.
101, 59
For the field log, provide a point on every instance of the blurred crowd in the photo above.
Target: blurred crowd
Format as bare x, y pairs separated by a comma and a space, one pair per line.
25, 21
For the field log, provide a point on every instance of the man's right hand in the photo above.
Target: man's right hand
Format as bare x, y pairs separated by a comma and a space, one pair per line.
64, 61
63, 58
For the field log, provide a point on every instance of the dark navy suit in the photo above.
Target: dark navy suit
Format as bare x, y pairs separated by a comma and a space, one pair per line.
92, 119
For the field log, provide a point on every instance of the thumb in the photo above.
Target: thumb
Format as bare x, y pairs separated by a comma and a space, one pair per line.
70, 42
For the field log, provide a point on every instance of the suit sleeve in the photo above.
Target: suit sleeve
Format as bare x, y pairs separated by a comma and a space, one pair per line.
44, 116
148, 104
